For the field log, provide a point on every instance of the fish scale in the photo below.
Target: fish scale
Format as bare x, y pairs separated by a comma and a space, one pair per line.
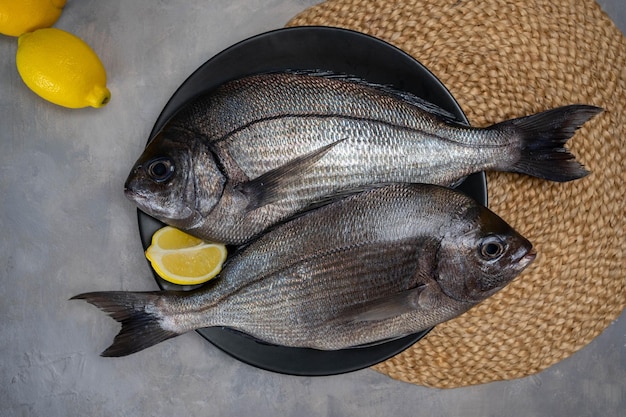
382, 263
258, 150
318, 177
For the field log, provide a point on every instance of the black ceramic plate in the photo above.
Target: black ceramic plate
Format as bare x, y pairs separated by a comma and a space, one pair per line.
322, 48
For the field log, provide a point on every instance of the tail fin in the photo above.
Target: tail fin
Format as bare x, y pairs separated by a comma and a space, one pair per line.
543, 136
141, 326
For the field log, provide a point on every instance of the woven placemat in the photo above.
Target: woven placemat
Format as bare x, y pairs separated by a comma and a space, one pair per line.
503, 59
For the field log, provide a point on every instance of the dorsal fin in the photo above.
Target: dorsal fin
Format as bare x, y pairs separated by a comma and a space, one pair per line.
387, 89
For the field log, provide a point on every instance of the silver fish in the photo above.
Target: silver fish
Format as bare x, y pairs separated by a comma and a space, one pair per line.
261, 148
376, 265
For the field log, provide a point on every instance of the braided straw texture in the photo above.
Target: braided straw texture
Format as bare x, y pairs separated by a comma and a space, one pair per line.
503, 59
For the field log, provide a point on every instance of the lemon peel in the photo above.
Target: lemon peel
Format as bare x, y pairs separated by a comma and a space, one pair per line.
21, 16
61, 68
182, 259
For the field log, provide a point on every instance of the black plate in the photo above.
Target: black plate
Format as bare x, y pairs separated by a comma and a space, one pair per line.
322, 48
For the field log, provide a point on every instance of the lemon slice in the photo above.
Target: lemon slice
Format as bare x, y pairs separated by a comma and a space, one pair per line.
182, 259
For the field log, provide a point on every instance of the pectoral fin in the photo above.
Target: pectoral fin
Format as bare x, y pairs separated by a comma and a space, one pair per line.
267, 188
393, 305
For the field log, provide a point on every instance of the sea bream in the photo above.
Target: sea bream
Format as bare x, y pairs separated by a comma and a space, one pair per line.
257, 150
373, 266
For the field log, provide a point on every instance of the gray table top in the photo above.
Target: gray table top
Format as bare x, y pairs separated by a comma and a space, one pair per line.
67, 228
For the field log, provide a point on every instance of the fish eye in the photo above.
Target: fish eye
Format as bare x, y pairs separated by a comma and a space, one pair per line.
491, 247
160, 169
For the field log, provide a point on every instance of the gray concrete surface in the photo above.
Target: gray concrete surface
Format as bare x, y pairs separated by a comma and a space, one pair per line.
66, 228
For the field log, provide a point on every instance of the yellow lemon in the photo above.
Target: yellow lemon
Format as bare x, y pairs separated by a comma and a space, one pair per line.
183, 259
61, 68
21, 16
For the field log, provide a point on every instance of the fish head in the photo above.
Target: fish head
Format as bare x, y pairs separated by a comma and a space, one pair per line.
480, 255
176, 179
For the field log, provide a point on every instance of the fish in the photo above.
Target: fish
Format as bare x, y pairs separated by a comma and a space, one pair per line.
387, 261
261, 148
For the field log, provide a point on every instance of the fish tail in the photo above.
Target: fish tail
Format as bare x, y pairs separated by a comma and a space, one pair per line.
141, 324
543, 137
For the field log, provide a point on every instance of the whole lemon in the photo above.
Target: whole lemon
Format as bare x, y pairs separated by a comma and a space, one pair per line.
61, 68
21, 16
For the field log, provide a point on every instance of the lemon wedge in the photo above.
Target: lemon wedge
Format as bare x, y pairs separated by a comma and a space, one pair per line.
182, 259
21, 16
61, 68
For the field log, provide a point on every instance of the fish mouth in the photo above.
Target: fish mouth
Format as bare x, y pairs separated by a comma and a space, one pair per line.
133, 184
130, 192
524, 257
135, 194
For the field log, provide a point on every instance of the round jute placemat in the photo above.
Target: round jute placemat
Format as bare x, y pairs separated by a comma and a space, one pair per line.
503, 59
